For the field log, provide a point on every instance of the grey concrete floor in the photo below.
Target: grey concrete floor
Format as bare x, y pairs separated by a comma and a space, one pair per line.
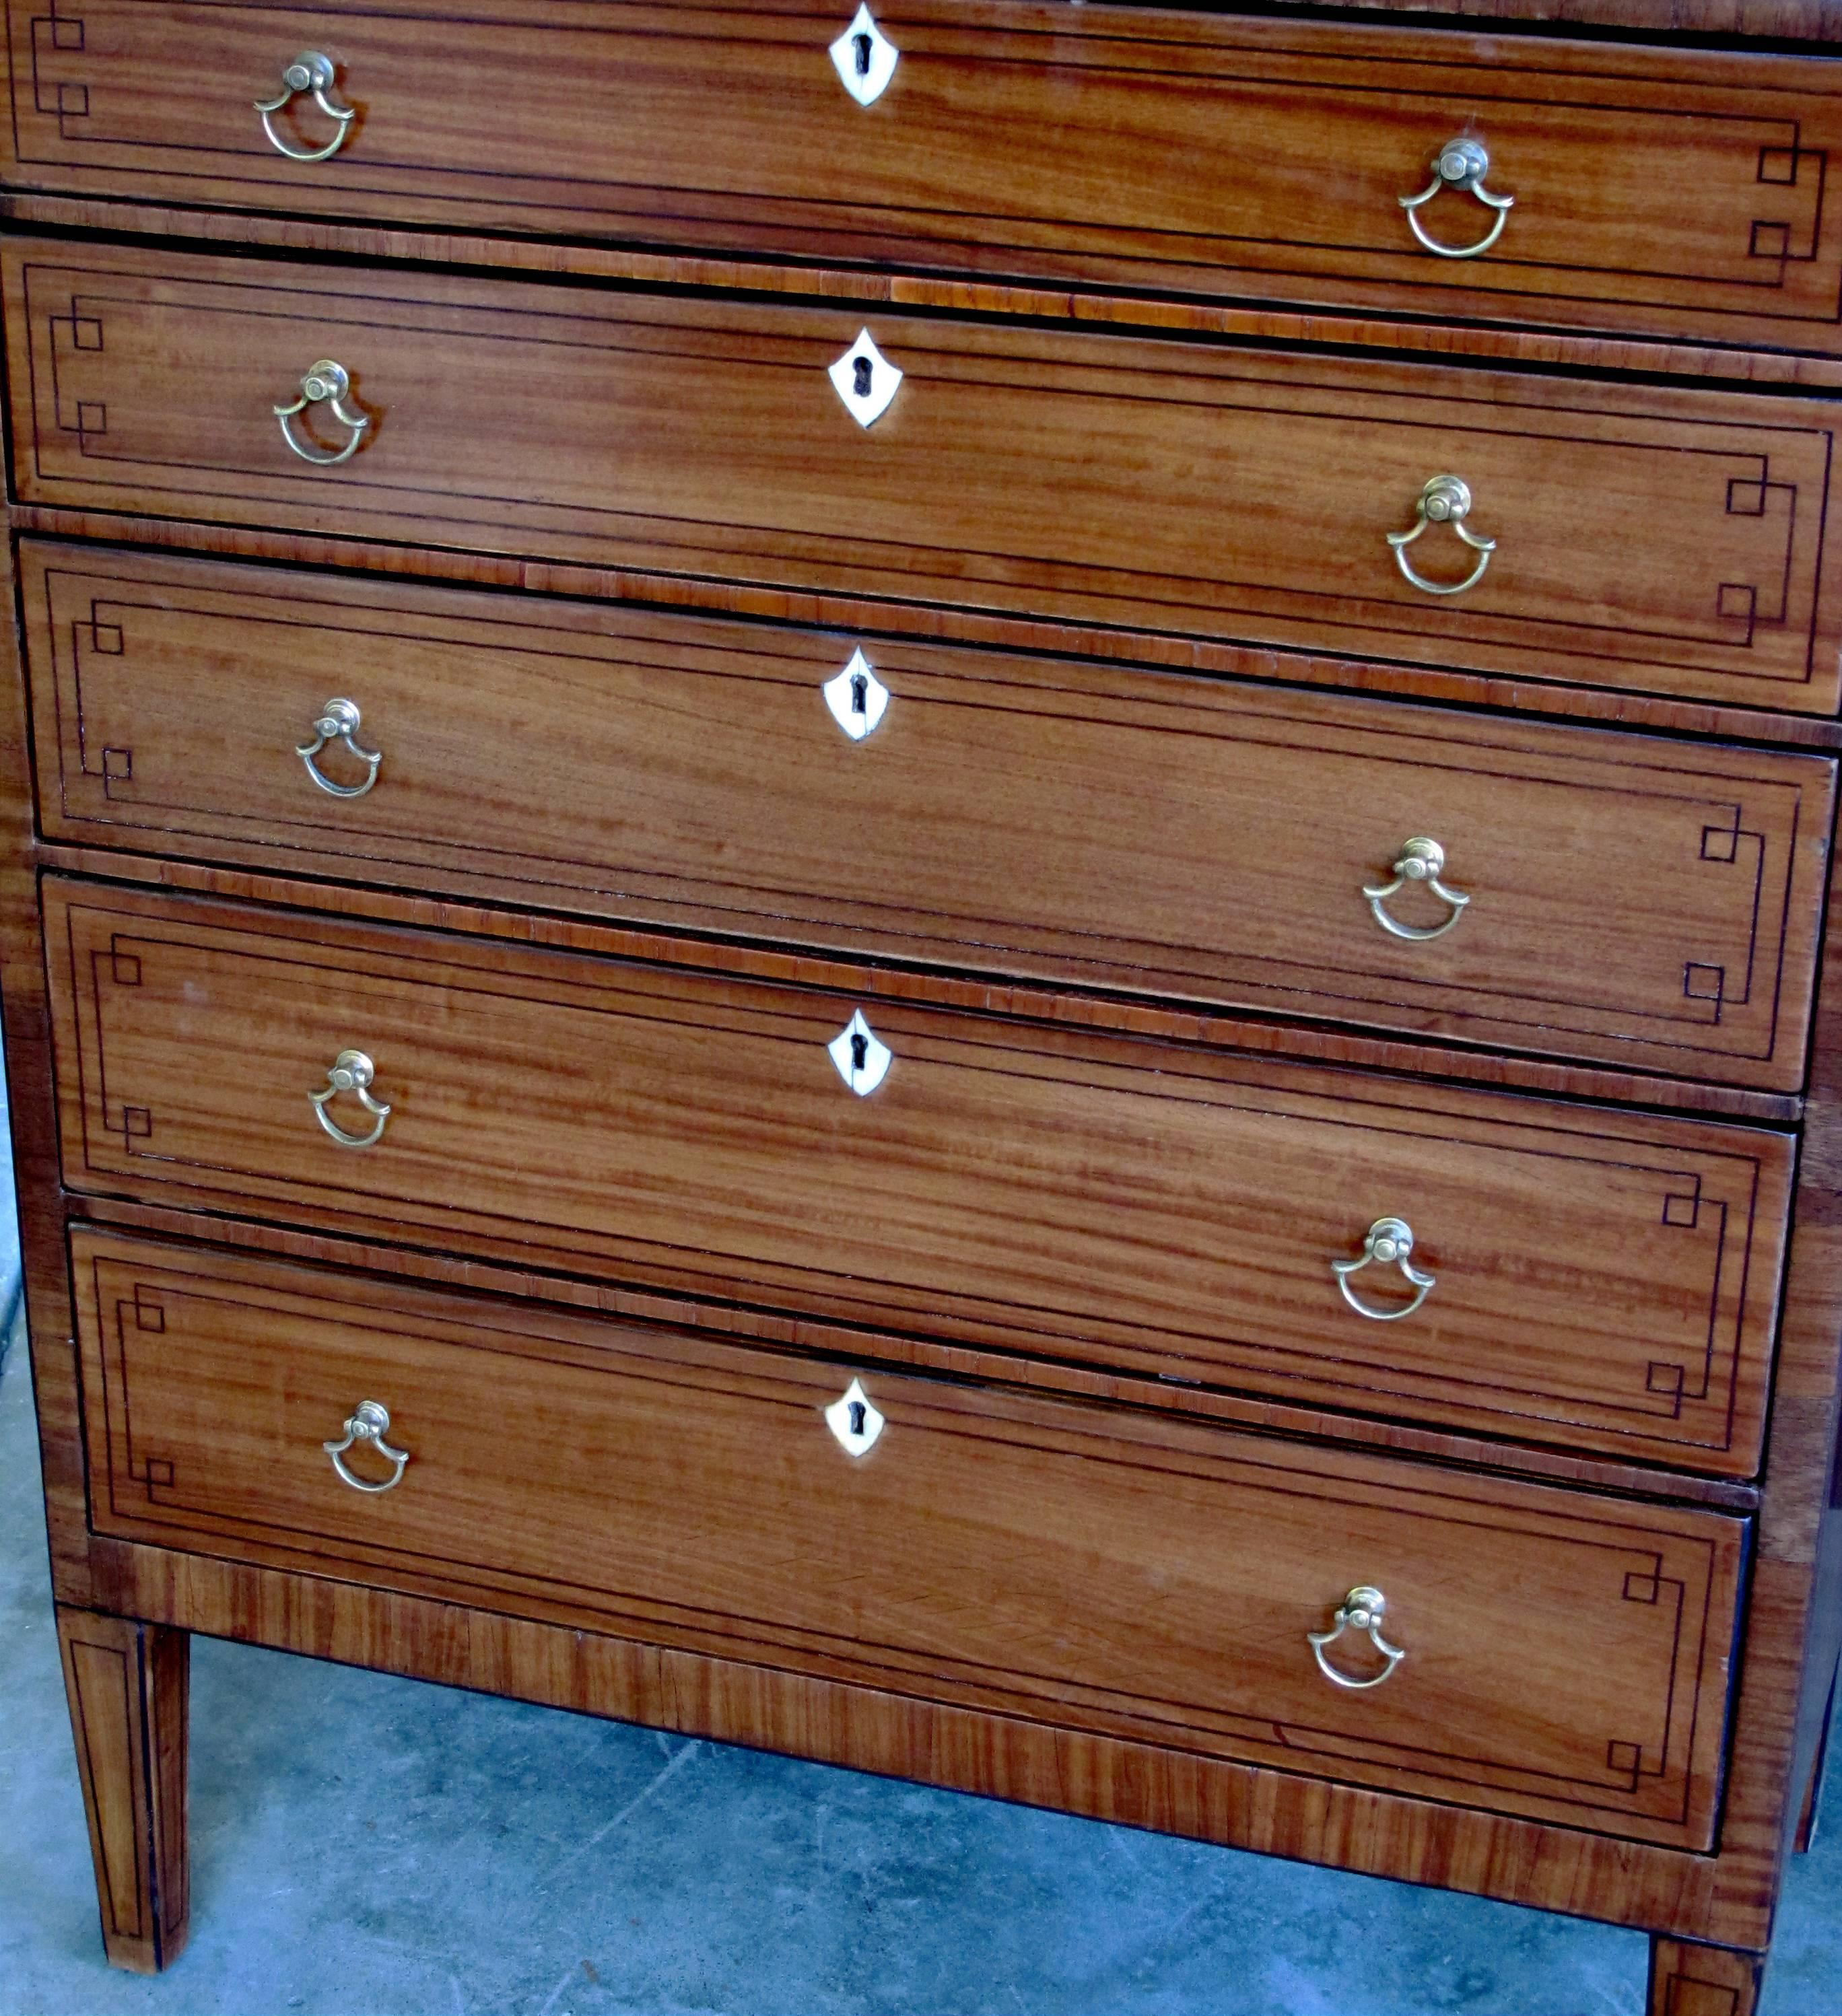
366, 1844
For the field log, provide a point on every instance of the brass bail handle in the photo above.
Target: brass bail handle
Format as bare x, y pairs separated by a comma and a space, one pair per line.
338, 722
1362, 1610
326, 384
1443, 500
1421, 860
369, 1423
310, 73
1388, 1243
352, 1072
1460, 164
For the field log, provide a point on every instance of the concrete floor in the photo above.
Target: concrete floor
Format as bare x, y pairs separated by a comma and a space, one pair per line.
367, 1844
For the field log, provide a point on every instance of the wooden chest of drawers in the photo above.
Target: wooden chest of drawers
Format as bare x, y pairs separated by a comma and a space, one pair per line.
947, 886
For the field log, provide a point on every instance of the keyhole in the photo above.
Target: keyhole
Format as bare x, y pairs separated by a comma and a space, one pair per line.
859, 1055
856, 1417
862, 377
860, 694
861, 44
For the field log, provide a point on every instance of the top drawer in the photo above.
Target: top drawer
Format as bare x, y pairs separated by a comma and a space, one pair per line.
1674, 192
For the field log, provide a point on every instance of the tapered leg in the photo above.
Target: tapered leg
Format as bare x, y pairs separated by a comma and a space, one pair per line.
1689, 1980
127, 1685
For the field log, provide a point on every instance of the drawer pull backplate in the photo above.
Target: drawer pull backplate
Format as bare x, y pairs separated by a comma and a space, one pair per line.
1362, 1610
1446, 500
1389, 1242
368, 1422
1421, 860
338, 722
351, 1071
326, 384
309, 72
1461, 165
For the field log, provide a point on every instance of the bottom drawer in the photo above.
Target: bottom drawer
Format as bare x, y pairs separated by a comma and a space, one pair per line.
1566, 1656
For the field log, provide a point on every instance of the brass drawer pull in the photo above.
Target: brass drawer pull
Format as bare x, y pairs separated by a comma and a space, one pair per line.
1445, 500
1362, 1610
1389, 1242
311, 72
338, 722
1421, 860
351, 1071
369, 1422
326, 384
1461, 165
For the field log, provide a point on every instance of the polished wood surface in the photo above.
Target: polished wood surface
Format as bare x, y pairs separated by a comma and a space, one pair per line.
1665, 190
1072, 1566
866, 1344
1641, 904
868, 981
363, 559
1817, 22
1098, 481
1688, 1980
1604, 1281
1548, 349
127, 1685
1667, 540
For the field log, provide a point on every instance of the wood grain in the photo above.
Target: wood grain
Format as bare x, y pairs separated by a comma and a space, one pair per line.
1814, 21
1689, 1980
368, 558
1605, 1283
866, 1343
1073, 1566
1669, 540
1674, 191
869, 980
127, 1685
1548, 349
1135, 1784
1638, 903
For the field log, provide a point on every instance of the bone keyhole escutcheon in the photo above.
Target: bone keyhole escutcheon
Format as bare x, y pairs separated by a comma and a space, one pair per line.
864, 58
853, 1420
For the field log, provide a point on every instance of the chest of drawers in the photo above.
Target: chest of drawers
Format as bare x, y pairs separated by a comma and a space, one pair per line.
947, 887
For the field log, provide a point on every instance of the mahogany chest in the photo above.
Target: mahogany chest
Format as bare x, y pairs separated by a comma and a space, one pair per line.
947, 887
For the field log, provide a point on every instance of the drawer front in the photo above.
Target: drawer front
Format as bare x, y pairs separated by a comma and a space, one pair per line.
1566, 1656
1627, 899
1599, 1280
1670, 191
1667, 540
